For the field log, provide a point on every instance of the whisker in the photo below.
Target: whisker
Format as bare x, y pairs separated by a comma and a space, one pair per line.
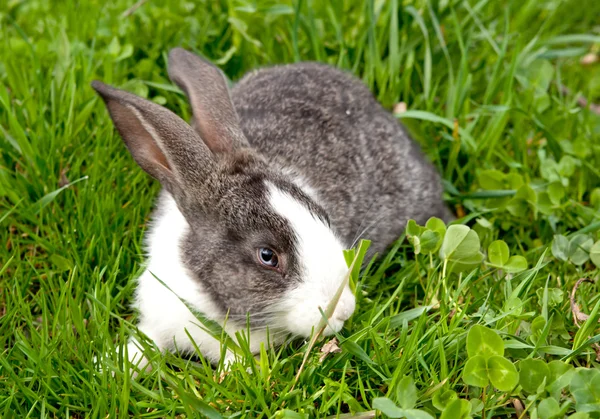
361, 224
371, 225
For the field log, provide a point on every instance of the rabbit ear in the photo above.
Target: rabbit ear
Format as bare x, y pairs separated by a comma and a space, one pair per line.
214, 117
164, 145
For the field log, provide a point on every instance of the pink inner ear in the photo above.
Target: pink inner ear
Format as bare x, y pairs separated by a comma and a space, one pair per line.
139, 141
153, 153
216, 139
214, 117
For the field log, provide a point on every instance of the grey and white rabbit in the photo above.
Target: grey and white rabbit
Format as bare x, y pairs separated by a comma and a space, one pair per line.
261, 194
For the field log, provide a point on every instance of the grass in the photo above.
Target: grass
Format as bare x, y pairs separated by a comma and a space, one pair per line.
490, 87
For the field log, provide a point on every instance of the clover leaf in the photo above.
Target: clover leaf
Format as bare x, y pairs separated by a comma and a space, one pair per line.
457, 409
485, 342
548, 409
475, 372
499, 257
406, 393
502, 373
585, 388
533, 375
595, 254
389, 408
461, 248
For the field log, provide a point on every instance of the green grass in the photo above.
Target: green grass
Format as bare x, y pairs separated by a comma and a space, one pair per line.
483, 84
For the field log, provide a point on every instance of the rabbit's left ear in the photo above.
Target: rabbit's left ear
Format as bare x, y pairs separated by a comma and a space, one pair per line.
164, 145
214, 117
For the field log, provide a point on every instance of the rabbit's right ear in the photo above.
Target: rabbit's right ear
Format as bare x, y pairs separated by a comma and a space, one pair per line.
164, 145
214, 117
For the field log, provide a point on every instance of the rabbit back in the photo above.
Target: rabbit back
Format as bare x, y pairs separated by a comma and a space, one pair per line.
325, 125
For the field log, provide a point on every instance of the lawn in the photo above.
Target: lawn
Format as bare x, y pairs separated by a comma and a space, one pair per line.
485, 318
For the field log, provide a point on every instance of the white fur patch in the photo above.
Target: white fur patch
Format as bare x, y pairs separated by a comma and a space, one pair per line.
164, 318
323, 266
301, 183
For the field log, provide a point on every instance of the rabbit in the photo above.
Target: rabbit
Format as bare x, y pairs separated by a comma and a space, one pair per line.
262, 192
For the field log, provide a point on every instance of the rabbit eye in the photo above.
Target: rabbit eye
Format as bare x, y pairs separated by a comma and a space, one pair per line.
268, 257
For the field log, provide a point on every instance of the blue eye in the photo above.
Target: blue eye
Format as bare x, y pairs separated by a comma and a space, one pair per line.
268, 257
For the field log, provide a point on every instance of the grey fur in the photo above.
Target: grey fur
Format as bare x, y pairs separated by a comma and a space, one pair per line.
327, 125
302, 119
213, 116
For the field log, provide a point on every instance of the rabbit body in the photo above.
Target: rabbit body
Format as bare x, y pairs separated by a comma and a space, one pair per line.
261, 195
